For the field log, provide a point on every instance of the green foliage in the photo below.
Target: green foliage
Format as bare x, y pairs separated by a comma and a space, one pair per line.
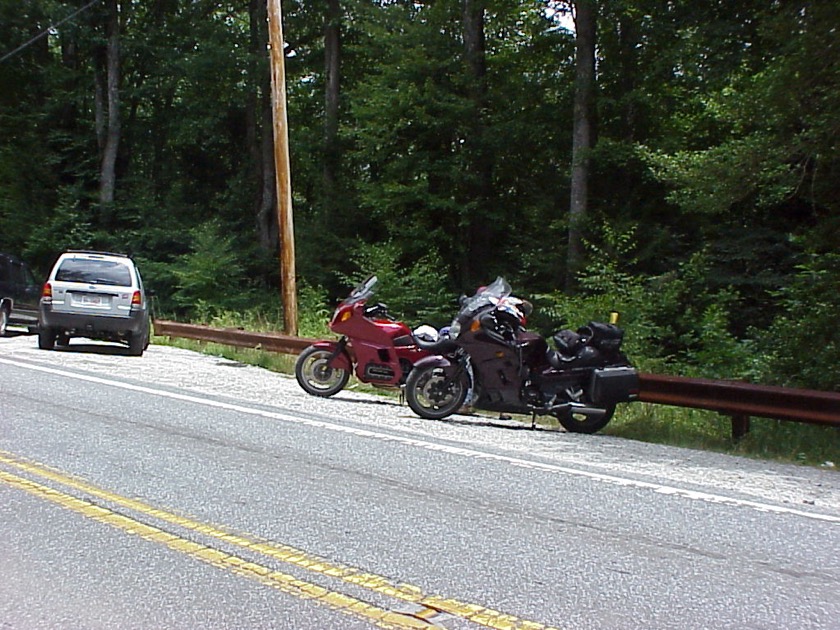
607, 287
415, 292
71, 226
314, 311
673, 323
802, 346
211, 277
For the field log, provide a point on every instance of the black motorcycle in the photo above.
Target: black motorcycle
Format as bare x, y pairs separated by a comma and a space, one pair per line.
490, 361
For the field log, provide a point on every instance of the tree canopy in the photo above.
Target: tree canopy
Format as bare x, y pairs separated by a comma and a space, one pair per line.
435, 138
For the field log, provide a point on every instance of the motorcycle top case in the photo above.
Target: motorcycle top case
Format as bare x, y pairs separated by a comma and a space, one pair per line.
614, 385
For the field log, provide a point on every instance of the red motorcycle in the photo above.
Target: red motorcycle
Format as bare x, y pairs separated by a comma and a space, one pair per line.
380, 350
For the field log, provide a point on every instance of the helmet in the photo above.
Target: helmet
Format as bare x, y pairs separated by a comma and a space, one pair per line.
426, 333
517, 307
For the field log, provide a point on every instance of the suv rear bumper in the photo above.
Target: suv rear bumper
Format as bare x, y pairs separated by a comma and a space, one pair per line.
84, 325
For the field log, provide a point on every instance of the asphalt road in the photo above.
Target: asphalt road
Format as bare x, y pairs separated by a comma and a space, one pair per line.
177, 490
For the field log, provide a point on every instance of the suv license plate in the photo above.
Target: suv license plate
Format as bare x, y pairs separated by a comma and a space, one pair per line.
91, 300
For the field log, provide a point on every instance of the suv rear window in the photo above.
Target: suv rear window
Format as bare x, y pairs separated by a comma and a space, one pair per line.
94, 272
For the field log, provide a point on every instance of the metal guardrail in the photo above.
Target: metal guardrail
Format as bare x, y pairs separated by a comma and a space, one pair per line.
742, 400
272, 342
732, 398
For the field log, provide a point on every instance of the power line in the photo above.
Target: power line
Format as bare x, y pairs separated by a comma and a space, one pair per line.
47, 30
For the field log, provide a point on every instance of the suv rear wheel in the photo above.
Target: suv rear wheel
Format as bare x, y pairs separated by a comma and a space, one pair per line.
136, 344
46, 338
4, 320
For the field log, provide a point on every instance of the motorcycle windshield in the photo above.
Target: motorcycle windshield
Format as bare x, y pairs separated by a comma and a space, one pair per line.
361, 291
492, 294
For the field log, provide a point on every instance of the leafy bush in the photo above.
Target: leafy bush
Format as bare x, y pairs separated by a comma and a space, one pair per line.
70, 227
415, 292
674, 323
802, 346
211, 278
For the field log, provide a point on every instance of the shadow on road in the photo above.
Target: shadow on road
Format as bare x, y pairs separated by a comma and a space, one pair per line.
471, 419
92, 348
17, 332
81, 348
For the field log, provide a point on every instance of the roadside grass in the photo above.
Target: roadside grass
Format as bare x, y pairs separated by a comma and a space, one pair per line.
777, 440
767, 438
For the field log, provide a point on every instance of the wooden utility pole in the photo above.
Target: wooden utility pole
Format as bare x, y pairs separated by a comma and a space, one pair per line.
281, 169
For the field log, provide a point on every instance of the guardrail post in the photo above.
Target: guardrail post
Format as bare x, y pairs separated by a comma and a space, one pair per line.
740, 426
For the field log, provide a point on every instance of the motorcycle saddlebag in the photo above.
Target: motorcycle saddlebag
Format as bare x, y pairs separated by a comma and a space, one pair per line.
612, 385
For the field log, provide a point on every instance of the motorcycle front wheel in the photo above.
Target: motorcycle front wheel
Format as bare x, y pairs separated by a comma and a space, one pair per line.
585, 419
314, 374
432, 395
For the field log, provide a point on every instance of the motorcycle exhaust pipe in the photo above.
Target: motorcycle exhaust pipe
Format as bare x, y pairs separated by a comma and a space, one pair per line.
579, 408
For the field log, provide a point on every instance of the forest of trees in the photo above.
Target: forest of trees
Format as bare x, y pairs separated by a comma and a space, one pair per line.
678, 161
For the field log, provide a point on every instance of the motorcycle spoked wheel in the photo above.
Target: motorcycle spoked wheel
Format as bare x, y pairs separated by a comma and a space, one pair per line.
592, 421
431, 395
314, 374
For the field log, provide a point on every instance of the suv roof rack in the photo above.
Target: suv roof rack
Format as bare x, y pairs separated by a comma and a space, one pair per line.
97, 253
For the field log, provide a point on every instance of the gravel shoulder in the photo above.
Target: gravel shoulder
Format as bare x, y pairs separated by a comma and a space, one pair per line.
801, 487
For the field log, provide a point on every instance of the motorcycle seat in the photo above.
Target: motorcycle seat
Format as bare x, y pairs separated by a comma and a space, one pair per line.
444, 345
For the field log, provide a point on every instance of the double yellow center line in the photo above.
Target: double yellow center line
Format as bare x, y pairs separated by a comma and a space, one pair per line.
413, 607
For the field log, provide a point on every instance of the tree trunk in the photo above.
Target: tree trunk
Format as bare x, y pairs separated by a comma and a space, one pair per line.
480, 179
583, 126
269, 233
259, 131
100, 91
474, 44
332, 73
107, 175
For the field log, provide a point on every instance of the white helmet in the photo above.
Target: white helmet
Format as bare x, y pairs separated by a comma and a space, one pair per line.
426, 333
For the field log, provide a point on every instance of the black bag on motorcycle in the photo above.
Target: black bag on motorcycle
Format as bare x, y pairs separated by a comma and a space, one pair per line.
605, 337
568, 342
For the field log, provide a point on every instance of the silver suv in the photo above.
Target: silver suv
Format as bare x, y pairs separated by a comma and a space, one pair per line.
97, 295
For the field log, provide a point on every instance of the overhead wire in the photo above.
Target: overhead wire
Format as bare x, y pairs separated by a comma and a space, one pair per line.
47, 30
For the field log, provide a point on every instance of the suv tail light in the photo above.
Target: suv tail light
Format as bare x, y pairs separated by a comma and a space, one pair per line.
46, 292
136, 300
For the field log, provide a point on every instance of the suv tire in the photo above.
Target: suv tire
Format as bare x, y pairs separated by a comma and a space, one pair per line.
4, 320
137, 344
46, 338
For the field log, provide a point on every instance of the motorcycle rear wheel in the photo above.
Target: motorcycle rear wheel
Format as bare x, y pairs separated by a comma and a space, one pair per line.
595, 419
314, 374
431, 395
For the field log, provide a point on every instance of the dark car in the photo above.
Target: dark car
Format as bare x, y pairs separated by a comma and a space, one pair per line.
19, 294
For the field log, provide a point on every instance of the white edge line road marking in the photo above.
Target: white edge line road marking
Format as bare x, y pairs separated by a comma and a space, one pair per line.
452, 450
